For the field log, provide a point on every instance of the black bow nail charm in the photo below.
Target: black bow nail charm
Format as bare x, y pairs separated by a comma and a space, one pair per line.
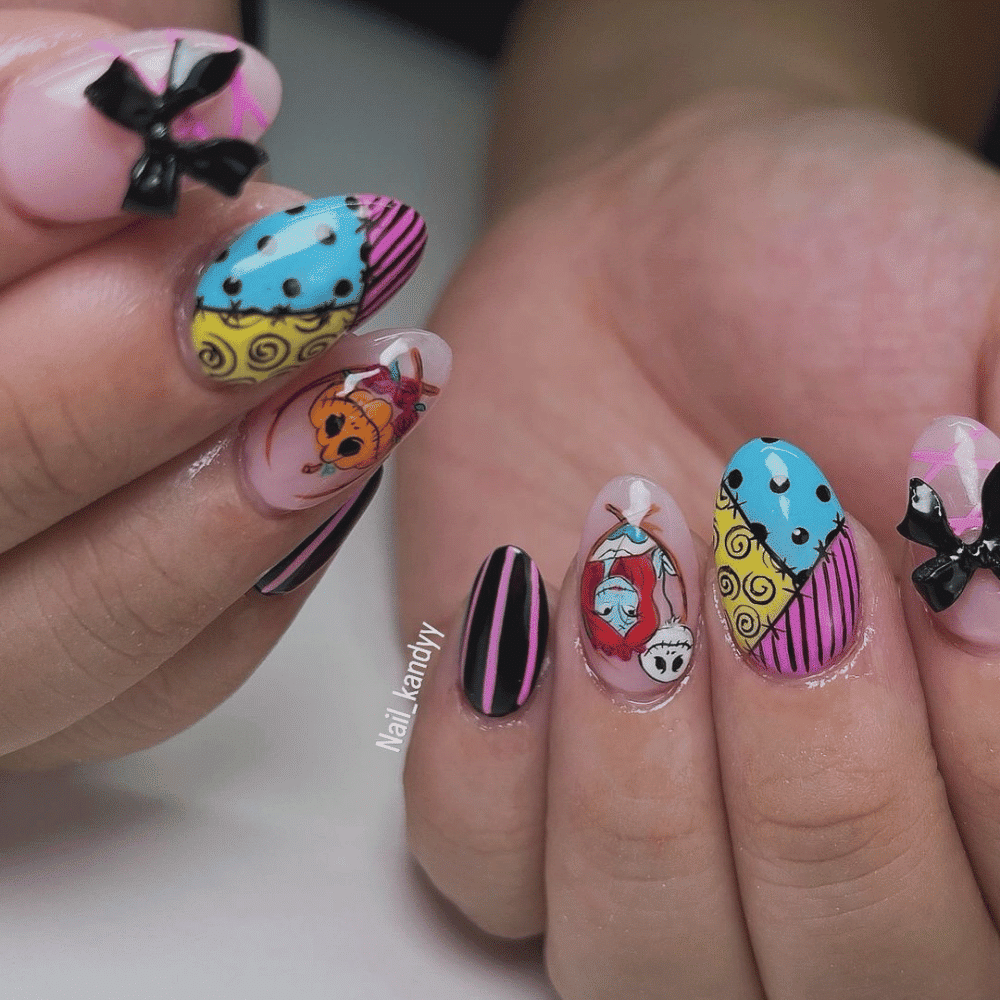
224, 164
941, 580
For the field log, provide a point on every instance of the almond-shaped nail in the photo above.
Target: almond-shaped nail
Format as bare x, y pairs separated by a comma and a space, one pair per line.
334, 426
504, 634
117, 123
295, 282
785, 560
953, 517
315, 551
639, 593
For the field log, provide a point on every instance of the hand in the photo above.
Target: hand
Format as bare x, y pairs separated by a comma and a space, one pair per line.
136, 511
750, 266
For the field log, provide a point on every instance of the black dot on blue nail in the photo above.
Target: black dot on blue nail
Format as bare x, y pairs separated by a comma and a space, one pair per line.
342, 288
232, 286
769, 440
800, 536
351, 202
325, 235
823, 493
779, 484
222, 256
734, 479
365, 252
295, 210
291, 287
264, 242
758, 531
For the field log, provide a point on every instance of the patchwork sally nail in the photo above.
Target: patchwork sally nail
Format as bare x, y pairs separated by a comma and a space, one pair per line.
504, 633
332, 428
296, 281
314, 552
638, 588
953, 517
118, 122
785, 560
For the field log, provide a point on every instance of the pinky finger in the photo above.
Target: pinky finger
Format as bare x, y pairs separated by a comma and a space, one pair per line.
176, 695
209, 668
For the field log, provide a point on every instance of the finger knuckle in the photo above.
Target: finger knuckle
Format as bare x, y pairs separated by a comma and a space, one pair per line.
833, 821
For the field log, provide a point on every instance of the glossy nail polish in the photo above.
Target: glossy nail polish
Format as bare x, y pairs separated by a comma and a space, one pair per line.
334, 426
118, 122
504, 633
785, 560
953, 516
314, 552
639, 593
296, 281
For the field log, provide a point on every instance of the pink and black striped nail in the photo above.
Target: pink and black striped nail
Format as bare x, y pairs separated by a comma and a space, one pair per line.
505, 631
396, 236
314, 552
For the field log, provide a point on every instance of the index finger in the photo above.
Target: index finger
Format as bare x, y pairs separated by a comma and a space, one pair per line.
99, 126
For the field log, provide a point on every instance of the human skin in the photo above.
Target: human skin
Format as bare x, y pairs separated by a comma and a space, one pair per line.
131, 537
783, 237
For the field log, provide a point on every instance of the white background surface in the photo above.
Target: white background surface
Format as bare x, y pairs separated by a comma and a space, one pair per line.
261, 854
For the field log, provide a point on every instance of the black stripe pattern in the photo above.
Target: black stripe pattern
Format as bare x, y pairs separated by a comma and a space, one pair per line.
320, 547
504, 633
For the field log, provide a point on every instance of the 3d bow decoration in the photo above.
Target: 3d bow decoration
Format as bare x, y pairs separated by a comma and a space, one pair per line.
942, 579
224, 164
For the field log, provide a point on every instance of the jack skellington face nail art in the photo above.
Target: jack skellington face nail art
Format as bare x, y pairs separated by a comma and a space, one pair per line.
636, 606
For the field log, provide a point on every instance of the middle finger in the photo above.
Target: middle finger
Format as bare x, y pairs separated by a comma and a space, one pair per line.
125, 343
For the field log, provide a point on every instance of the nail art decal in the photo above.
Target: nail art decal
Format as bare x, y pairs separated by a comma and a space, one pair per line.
954, 516
122, 96
785, 560
314, 552
296, 281
637, 611
942, 579
504, 633
326, 432
116, 121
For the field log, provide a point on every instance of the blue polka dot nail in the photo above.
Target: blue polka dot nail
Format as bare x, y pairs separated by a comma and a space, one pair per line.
296, 281
785, 560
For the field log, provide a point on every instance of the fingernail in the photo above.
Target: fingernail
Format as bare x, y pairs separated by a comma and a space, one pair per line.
296, 281
92, 135
639, 593
951, 497
785, 560
314, 552
331, 428
504, 634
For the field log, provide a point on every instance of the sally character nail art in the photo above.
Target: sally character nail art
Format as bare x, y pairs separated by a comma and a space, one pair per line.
638, 597
953, 517
504, 634
296, 281
785, 560
323, 434
117, 122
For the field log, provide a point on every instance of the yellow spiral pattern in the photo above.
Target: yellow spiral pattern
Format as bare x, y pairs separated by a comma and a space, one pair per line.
754, 591
251, 347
